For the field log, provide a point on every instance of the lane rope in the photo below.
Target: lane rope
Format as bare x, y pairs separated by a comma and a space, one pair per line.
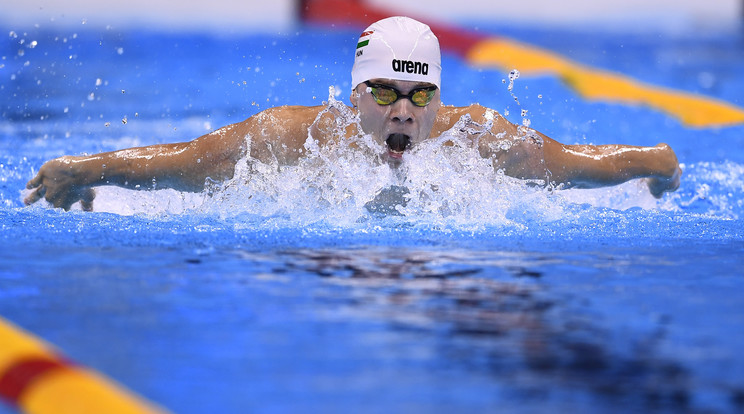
36, 379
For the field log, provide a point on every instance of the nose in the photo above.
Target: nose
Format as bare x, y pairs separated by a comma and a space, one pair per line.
401, 111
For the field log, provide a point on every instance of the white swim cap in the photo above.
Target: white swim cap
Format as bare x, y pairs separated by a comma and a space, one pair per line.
398, 48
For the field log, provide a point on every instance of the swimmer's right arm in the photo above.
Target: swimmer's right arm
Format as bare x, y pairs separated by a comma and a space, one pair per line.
181, 166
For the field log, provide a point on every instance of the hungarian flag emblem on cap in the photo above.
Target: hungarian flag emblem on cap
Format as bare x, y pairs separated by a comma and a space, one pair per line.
364, 39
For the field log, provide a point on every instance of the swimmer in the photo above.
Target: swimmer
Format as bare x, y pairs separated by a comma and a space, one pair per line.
396, 95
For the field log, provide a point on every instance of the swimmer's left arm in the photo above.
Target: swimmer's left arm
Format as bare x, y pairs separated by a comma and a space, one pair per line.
589, 166
527, 154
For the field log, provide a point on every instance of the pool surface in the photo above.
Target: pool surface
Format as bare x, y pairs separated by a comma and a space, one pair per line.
293, 292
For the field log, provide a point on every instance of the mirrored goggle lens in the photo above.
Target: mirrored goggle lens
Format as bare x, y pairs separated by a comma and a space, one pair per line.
384, 96
387, 96
422, 97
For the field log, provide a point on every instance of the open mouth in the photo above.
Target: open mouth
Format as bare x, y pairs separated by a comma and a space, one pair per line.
397, 143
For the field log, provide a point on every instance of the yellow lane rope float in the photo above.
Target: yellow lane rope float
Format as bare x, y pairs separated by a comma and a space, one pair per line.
36, 379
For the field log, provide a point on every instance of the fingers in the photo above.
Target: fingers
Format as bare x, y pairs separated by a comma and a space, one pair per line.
34, 182
58, 198
659, 186
86, 199
51, 196
34, 196
64, 201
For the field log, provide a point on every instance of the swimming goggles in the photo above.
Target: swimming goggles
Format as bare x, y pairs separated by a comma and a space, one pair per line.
387, 95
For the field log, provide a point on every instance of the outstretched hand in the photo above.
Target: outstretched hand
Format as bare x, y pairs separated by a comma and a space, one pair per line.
658, 185
58, 182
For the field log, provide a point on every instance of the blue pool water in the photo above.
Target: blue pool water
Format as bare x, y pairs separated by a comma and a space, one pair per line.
286, 294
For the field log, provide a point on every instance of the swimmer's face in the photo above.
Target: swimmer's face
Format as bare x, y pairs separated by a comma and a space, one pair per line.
391, 124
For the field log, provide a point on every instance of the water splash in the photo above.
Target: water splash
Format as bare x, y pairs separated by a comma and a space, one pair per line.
514, 75
442, 185
442, 181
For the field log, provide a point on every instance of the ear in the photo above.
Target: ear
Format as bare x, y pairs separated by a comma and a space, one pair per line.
354, 98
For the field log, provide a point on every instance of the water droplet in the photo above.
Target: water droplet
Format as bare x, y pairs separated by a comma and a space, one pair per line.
706, 80
514, 74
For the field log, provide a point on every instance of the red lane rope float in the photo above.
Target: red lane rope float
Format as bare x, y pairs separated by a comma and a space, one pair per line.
22, 373
479, 49
35, 379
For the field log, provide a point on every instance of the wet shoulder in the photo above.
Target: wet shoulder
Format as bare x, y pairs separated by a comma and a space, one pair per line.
287, 118
279, 133
448, 116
